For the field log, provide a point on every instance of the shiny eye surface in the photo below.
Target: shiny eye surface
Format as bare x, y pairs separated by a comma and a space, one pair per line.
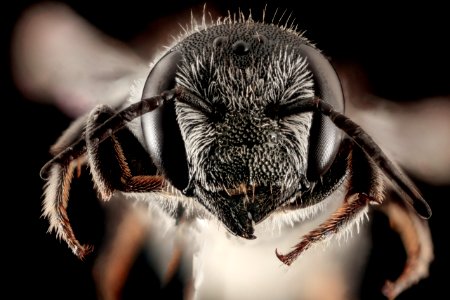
325, 138
160, 128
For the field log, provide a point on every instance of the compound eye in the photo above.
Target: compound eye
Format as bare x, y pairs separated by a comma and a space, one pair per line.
325, 137
162, 75
160, 127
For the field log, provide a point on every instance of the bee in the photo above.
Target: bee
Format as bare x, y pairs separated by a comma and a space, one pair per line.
238, 130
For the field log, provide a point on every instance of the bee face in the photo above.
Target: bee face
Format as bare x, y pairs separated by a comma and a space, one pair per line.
247, 154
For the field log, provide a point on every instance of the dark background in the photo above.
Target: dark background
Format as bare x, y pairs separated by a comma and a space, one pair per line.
403, 49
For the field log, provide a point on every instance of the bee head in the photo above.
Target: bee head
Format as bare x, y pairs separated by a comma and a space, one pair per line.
233, 138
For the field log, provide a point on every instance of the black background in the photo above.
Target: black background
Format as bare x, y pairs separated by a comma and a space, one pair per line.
403, 49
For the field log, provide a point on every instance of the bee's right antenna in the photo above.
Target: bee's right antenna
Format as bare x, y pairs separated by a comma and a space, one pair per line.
110, 126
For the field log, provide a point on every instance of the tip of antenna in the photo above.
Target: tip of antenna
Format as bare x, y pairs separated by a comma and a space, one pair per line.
422, 208
43, 173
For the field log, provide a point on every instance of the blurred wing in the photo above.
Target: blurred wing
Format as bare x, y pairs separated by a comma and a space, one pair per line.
59, 58
415, 134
